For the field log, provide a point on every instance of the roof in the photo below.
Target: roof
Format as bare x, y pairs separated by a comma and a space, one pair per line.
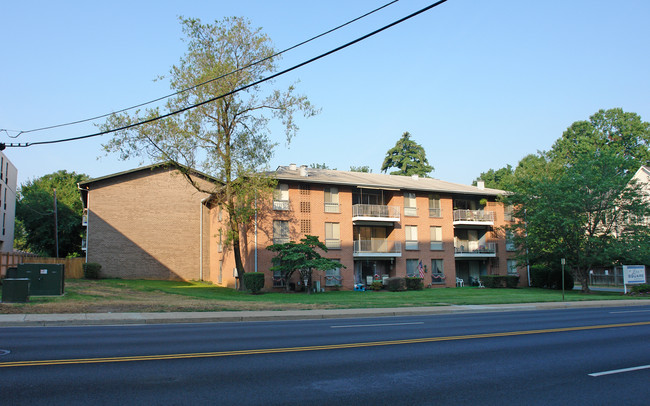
144, 168
378, 181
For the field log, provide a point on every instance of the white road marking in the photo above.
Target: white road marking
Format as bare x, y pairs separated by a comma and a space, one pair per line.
620, 371
377, 325
630, 311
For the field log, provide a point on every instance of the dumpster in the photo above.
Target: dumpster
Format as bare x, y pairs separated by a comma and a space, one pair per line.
44, 279
15, 290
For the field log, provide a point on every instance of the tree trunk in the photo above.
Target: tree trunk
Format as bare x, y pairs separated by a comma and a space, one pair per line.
583, 275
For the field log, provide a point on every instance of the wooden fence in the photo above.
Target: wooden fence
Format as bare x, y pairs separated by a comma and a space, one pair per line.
73, 266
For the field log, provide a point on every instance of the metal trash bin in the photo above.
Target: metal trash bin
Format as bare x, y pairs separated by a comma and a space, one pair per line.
15, 290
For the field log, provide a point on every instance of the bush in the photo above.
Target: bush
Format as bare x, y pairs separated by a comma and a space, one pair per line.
539, 276
395, 284
91, 270
414, 283
543, 276
643, 288
512, 281
500, 281
490, 281
254, 281
376, 285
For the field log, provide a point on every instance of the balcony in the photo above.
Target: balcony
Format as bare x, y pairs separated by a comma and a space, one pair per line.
473, 218
471, 249
375, 212
377, 247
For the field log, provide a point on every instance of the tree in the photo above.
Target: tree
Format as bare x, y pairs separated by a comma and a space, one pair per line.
320, 166
35, 222
227, 138
408, 156
364, 169
623, 133
301, 257
499, 179
580, 212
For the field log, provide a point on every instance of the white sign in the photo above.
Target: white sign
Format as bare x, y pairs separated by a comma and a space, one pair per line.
633, 274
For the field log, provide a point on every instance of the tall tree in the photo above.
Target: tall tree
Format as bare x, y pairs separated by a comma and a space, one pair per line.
363, 168
497, 179
35, 216
580, 212
408, 157
621, 132
228, 138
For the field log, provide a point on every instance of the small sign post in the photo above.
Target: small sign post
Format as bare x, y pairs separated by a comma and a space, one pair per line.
563, 261
633, 275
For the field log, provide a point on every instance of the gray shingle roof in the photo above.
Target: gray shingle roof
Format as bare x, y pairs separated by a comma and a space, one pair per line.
378, 181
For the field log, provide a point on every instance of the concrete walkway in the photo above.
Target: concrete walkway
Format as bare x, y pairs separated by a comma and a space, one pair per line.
80, 319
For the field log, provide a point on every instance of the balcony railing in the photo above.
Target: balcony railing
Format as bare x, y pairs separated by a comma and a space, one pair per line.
333, 243
471, 248
411, 211
435, 212
474, 216
280, 205
411, 245
376, 212
377, 246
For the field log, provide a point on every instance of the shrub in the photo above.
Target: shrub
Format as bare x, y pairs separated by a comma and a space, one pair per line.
376, 285
512, 281
491, 281
539, 275
500, 281
395, 284
254, 281
543, 276
643, 288
91, 270
414, 283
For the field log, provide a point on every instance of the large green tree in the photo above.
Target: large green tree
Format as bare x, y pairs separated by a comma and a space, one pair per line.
228, 138
35, 216
301, 257
408, 157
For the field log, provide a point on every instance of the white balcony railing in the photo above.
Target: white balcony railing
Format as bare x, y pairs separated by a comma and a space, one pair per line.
333, 243
472, 248
331, 207
473, 215
411, 211
376, 211
435, 212
378, 246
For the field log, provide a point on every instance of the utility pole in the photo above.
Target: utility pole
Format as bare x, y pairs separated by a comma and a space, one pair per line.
56, 226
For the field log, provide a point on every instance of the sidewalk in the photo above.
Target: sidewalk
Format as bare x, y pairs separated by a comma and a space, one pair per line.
81, 319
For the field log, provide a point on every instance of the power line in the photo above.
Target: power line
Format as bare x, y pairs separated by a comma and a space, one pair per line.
202, 83
275, 75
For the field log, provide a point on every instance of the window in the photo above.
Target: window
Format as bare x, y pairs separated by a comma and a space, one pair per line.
333, 277
410, 208
281, 197
512, 267
436, 238
280, 231
220, 241
305, 226
305, 207
510, 241
278, 280
437, 271
220, 276
411, 238
434, 206
304, 189
412, 268
508, 213
333, 235
331, 200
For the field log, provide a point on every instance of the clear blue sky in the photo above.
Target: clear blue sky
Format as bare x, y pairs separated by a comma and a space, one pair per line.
479, 84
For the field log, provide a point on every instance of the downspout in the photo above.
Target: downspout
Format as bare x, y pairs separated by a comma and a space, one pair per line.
81, 190
200, 237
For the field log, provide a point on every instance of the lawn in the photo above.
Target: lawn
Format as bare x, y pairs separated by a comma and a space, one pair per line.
119, 295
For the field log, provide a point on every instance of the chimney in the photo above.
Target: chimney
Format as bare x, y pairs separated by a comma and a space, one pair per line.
415, 176
480, 184
303, 171
292, 167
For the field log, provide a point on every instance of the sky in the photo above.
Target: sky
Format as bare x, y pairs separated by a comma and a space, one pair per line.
479, 84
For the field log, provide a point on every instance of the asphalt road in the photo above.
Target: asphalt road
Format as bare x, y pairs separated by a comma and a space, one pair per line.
575, 356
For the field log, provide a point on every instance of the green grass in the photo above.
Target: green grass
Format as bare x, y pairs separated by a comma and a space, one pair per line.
369, 299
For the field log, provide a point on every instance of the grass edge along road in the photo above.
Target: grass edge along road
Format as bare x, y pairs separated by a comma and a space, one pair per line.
122, 295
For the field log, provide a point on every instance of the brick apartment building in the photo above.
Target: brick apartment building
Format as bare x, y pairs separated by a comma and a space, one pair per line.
150, 223
8, 184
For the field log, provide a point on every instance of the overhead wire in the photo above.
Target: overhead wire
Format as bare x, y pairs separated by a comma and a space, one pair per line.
253, 84
202, 83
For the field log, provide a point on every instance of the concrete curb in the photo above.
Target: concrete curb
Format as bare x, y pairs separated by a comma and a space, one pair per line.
89, 319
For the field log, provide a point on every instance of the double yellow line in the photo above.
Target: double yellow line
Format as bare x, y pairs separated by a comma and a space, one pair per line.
308, 348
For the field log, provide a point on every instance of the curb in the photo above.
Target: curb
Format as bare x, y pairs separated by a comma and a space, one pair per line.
98, 319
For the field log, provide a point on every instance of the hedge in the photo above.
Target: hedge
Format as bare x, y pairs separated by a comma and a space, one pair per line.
414, 283
254, 281
91, 270
500, 281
